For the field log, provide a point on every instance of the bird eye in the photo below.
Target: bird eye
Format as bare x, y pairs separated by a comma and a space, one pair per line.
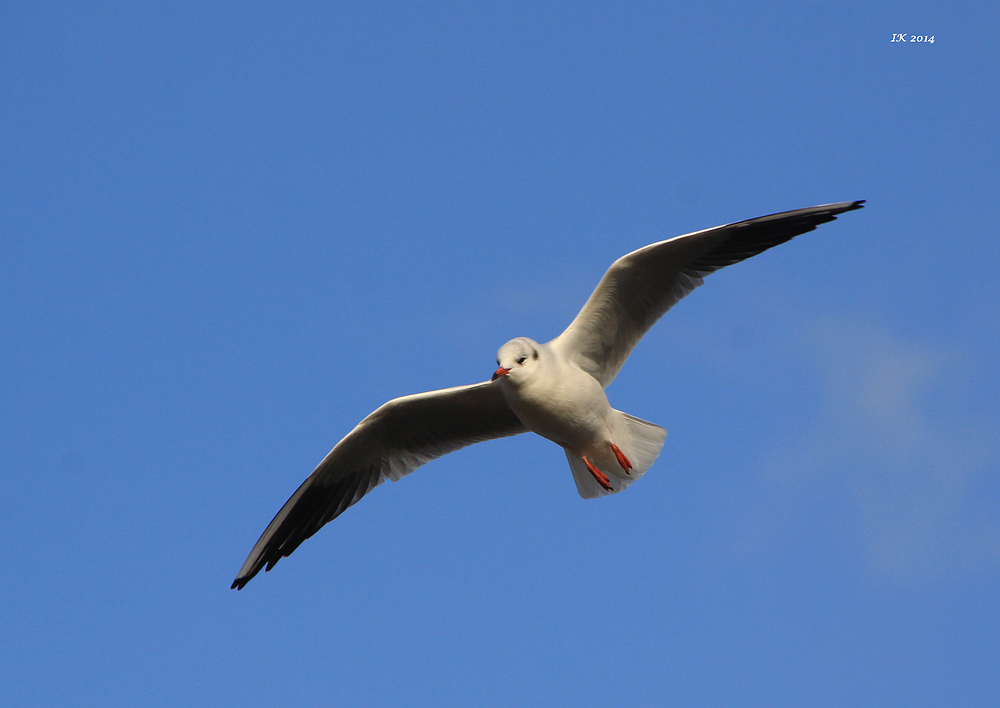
521, 360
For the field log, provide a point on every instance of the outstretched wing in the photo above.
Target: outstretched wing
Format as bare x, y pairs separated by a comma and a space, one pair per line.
640, 287
391, 442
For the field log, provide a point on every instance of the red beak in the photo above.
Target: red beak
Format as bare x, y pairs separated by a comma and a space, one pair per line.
500, 372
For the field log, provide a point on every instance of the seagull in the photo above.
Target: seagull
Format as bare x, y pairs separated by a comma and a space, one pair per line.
555, 389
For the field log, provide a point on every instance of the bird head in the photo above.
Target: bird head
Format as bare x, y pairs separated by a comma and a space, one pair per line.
517, 359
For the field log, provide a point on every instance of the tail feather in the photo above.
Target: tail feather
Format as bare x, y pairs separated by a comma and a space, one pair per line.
641, 442
646, 440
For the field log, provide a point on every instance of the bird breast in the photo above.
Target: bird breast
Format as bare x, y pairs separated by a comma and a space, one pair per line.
563, 404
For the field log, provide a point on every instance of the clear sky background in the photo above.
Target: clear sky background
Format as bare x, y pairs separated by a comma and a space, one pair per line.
229, 231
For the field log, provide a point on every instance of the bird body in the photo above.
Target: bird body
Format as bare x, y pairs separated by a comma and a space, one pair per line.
555, 389
558, 400
552, 397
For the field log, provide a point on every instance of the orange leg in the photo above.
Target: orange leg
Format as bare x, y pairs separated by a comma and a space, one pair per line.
602, 479
622, 460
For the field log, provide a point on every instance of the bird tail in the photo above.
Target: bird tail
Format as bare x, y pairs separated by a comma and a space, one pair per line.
641, 442
646, 440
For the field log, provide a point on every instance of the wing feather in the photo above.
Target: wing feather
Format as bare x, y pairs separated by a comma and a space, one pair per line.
640, 287
396, 439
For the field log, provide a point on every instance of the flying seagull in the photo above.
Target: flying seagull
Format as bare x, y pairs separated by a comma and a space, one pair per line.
554, 389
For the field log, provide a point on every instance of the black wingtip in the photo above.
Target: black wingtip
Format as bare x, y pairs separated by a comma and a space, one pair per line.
242, 580
834, 210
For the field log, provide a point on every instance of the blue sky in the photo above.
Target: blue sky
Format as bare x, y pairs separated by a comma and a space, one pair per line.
230, 231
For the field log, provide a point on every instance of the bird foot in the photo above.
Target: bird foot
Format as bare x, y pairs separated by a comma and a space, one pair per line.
602, 479
622, 460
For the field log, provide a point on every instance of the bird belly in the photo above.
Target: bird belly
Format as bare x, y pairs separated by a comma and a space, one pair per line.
571, 411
